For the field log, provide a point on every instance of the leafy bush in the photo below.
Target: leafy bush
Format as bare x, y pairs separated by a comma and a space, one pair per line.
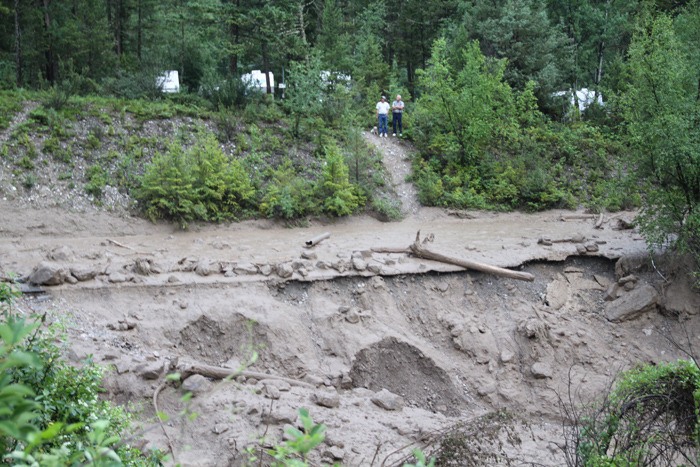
649, 418
50, 411
341, 198
97, 179
198, 184
287, 195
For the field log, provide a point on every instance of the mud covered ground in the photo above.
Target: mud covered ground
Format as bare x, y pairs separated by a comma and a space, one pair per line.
389, 351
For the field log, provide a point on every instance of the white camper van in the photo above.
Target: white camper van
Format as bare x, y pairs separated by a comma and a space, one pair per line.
169, 81
256, 80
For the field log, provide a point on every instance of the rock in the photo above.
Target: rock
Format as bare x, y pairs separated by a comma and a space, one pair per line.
612, 292
312, 379
220, 428
334, 453
329, 399
641, 300
506, 356
265, 269
374, 268
443, 287
152, 371
359, 264
487, 388
541, 370
558, 292
245, 268
142, 266
629, 264
284, 270
279, 416
310, 255
117, 278
278, 383
340, 265
592, 247
83, 272
580, 249
204, 269
387, 400
61, 253
626, 279
196, 384
46, 273
270, 391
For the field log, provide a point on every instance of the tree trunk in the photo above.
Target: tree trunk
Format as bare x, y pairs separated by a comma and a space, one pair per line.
51, 66
18, 47
139, 28
266, 68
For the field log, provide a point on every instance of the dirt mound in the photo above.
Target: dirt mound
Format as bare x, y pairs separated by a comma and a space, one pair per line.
403, 369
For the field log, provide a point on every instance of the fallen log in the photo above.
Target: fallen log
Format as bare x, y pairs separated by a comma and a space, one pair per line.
314, 241
217, 372
599, 222
576, 217
418, 249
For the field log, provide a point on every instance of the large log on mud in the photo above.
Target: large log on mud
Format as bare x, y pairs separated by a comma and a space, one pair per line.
418, 249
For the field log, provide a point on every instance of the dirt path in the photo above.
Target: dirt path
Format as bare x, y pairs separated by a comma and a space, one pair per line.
397, 160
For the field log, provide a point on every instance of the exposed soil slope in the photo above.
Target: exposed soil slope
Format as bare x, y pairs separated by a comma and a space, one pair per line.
387, 350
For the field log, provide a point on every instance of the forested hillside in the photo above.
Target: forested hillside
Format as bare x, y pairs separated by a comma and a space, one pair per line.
488, 85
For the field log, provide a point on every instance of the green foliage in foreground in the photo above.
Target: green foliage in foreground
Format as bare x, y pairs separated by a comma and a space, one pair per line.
50, 411
649, 418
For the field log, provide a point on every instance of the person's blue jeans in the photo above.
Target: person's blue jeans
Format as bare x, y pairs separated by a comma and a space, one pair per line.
383, 120
396, 118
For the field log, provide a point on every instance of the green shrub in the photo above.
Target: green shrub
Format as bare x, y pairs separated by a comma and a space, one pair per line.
198, 184
97, 179
50, 411
26, 163
649, 418
287, 194
341, 198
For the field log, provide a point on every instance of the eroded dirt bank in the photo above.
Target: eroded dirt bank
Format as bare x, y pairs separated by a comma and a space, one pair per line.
387, 357
390, 351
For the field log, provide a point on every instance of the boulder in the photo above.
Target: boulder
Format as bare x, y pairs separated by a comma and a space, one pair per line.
632, 304
387, 400
285, 270
329, 399
196, 384
83, 272
46, 273
541, 370
61, 253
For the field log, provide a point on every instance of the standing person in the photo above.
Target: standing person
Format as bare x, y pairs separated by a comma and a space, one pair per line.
397, 114
383, 116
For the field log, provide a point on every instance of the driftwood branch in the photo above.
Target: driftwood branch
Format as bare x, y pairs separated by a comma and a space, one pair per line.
569, 217
317, 239
599, 222
418, 249
217, 372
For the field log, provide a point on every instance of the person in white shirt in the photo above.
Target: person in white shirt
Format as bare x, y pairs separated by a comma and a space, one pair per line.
383, 116
397, 114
